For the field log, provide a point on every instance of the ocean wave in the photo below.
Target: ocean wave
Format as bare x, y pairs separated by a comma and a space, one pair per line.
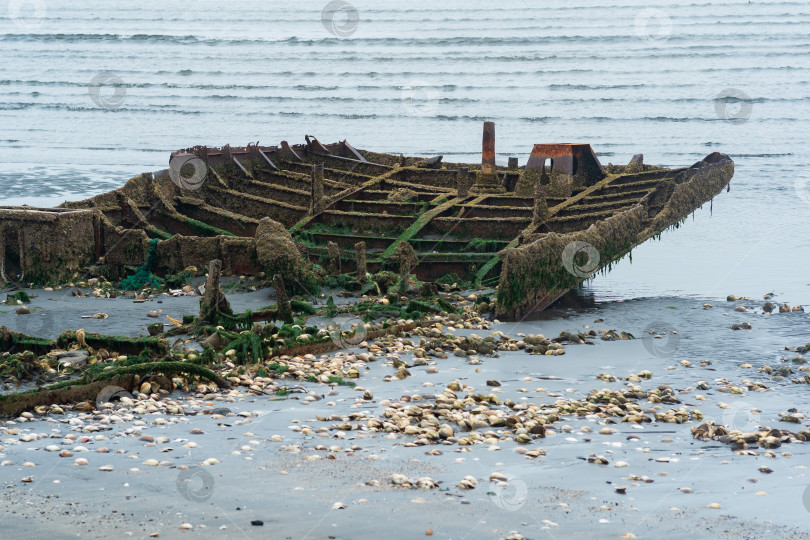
348, 44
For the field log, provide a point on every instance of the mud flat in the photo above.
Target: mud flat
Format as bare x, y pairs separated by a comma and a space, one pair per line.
529, 433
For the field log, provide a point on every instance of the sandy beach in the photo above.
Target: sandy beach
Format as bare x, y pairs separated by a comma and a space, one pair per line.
307, 465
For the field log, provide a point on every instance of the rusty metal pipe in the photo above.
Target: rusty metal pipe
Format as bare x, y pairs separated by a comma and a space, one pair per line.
488, 149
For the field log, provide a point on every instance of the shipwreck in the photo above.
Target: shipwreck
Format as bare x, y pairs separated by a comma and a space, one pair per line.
535, 231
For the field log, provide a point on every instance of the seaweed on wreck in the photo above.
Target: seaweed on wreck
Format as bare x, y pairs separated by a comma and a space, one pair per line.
233, 321
121, 344
165, 367
386, 280
536, 272
144, 275
480, 245
347, 282
278, 369
331, 309
415, 309
454, 279
24, 365
179, 280
340, 381
10, 341
250, 348
94, 377
19, 297
300, 306
411, 232
295, 330
370, 310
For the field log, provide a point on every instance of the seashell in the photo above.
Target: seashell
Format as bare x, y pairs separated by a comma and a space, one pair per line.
468, 482
106, 468
399, 479
426, 483
599, 460
537, 452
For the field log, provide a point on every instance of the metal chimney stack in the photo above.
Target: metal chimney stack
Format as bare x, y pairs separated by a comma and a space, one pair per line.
488, 150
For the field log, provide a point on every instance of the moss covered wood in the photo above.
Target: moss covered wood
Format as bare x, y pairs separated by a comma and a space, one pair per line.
536, 274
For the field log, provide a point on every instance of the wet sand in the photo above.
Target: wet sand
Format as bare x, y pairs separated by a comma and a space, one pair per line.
558, 495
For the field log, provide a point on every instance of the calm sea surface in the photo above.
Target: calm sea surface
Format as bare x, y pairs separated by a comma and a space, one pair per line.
92, 93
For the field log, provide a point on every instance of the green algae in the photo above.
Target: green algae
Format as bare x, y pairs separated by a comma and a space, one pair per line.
144, 276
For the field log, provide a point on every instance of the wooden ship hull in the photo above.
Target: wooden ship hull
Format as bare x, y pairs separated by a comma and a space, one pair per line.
535, 231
